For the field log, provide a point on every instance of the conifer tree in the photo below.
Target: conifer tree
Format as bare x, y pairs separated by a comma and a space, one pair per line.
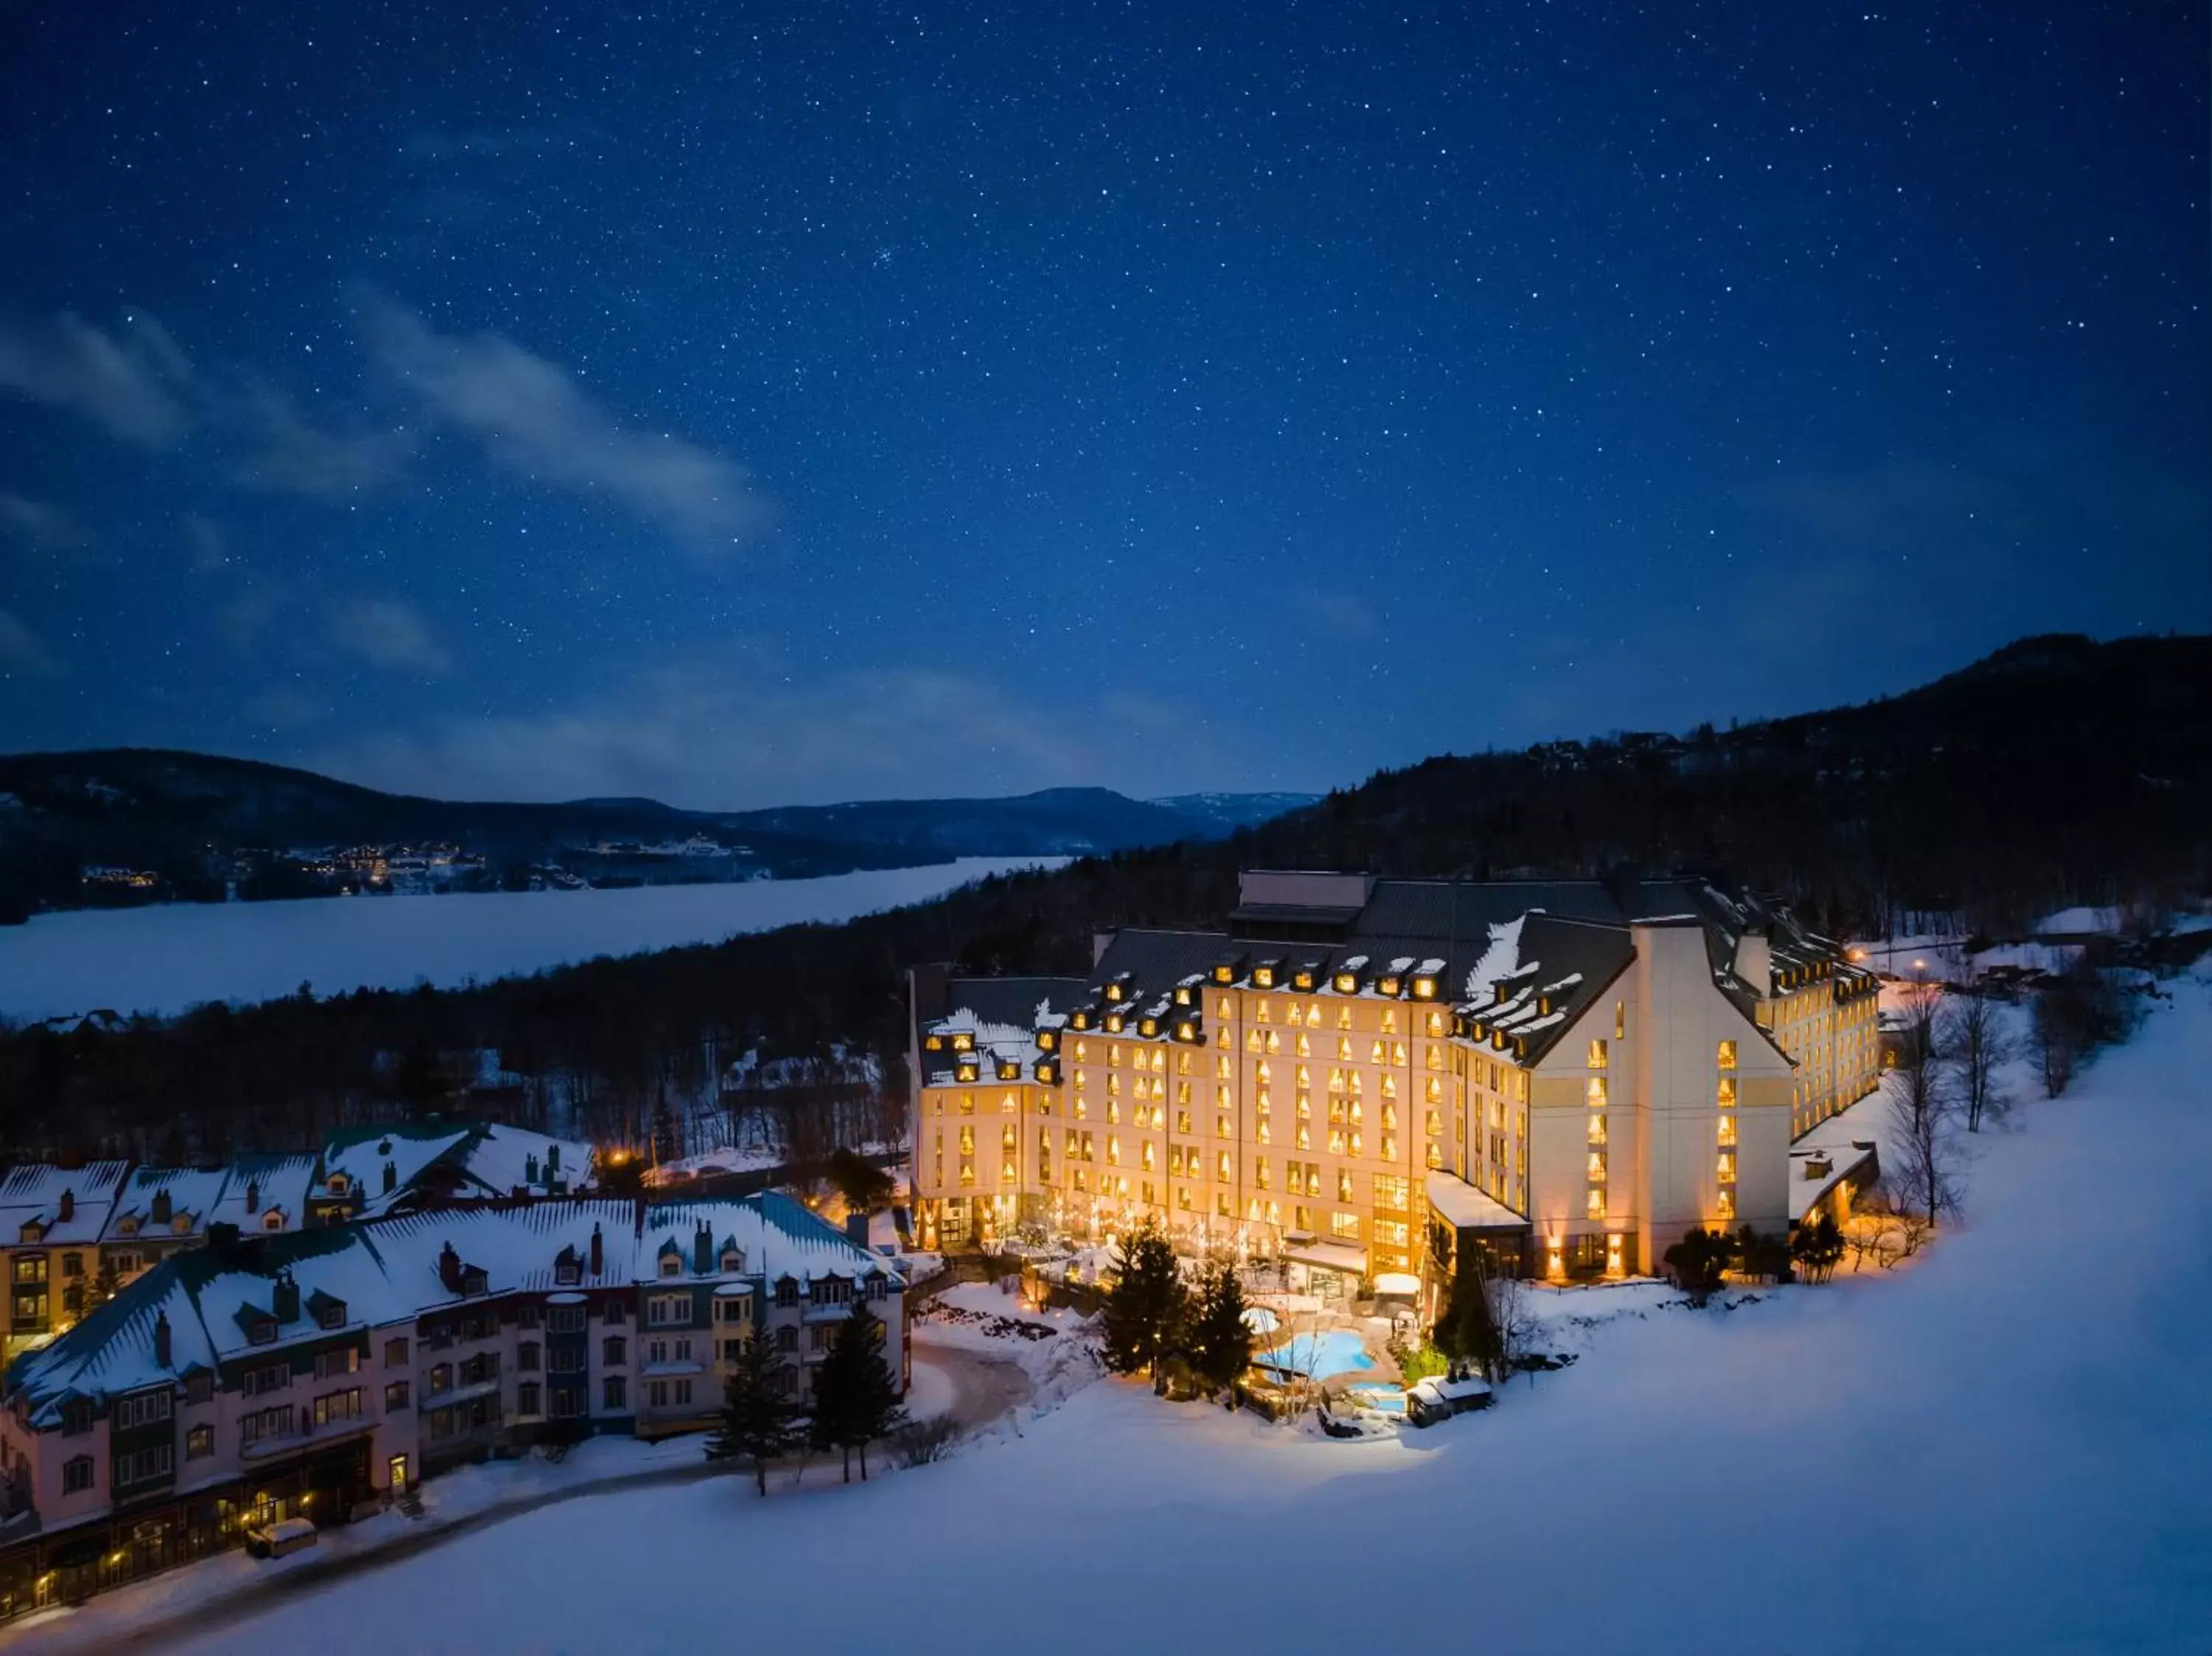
856, 1394
1818, 1248
1221, 1341
759, 1421
1467, 1333
1697, 1261
1142, 1314
103, 1286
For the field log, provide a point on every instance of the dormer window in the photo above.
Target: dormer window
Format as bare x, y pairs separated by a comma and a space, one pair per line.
474, 1282
332, 1315
33, 1231
1424, 988
734, 1261
1347, 983
339, 1184
1047, 1040
933, 1044
1263, 977
1388, 987
273, 1219
261, 1331
671, 1265
127, 1225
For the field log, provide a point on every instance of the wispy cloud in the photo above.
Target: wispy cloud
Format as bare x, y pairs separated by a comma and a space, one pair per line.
284, 708
725, 735
22, 654
40, 526
209, 547
1344, 613
388, 634
534, 419
243, 618
287, 454
133, 381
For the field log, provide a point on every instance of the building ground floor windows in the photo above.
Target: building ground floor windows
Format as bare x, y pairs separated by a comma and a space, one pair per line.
67, 1566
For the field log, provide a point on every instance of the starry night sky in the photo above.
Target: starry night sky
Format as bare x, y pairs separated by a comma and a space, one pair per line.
745, 404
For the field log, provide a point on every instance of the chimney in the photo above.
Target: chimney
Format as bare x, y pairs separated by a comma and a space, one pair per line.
702, 1249
552, 1160
163, 1211
284, 1300
449, 1269
1754, 961
253, 1196
65, 1210
530, 1168
391, 1177
599, 1251
161, 1339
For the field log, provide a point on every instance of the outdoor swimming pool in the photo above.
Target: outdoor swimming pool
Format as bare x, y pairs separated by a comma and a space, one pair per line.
1316, 1356
1377, 1394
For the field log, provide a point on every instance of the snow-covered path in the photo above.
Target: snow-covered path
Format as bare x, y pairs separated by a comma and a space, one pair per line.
2001, 1449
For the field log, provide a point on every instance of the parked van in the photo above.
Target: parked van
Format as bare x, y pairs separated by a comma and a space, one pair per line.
287, 1535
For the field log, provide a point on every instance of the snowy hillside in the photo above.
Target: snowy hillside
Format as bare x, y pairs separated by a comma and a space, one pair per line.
2000, 1448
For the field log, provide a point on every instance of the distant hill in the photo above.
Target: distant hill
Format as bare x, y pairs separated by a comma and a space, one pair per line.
172, 825
2058, 769
2056, 772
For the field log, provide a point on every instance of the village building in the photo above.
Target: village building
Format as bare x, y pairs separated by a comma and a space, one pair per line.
1364, 1076
308, 1374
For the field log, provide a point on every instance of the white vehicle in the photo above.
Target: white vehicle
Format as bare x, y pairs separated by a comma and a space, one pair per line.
287, 1535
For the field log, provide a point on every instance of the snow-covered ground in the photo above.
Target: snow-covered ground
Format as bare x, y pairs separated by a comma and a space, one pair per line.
2001, 1449
165, 958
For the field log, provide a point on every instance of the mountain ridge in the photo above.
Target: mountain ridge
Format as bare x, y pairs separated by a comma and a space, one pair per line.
183, 822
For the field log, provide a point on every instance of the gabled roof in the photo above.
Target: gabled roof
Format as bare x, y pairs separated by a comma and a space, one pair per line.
193, 1196
33, 1193
279, 1184
385, 1272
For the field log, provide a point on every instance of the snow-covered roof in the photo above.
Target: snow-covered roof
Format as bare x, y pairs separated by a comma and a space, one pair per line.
265, 1194
35, 1194
776, 1236
385, 1271
502, 1159
194, 1195
383, 1163
1466, 1208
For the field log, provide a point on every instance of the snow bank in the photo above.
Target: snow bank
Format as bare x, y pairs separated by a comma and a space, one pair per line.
165, 958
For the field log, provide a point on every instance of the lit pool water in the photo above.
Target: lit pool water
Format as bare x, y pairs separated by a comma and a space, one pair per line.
1376, 1394
1319, 1356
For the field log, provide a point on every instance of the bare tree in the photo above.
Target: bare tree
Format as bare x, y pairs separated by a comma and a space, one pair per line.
1979, 1046
1921, 1162
2055, 1036
1515, 1324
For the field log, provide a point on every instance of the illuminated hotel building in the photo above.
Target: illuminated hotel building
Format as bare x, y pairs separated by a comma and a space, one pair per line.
1363, 1075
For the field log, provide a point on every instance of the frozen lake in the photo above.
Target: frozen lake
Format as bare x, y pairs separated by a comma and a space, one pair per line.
165, 959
